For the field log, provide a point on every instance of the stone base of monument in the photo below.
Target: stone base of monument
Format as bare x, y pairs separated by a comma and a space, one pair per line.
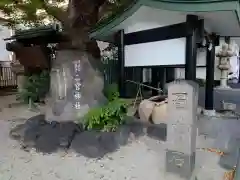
209, 113
47, 137
223, 87
61, 112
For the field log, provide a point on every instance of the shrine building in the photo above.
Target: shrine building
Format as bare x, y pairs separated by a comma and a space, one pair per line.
171, 38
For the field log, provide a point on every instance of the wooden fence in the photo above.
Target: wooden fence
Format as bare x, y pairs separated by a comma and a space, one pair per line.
111, 75
7, 78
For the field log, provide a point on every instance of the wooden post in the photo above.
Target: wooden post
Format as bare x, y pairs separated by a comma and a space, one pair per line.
155, 80
191, 48
210, 61
162, 78
170, 74
121, 57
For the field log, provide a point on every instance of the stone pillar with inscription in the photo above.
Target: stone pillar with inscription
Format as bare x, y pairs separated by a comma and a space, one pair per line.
181, 129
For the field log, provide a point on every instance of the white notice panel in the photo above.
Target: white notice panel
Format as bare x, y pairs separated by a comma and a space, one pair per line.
168, 52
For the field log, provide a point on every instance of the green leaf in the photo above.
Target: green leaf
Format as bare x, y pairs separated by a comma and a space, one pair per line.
106, 118
35, 87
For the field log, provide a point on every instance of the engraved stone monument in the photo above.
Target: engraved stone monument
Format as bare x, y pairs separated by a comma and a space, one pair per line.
181, 129
75, 87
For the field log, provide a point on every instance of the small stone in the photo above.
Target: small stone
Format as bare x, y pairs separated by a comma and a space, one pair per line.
229, 106
101, 176
110, 158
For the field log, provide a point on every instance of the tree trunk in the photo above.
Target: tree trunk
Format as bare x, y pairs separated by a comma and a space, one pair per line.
62, 101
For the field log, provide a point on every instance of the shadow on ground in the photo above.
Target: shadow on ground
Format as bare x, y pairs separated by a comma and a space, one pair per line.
49, 137
221, 134
8, 91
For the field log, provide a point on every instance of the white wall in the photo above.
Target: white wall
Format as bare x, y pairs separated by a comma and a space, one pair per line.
168, 52
200, 73
4, 33
224, 23
148, 18
180, 72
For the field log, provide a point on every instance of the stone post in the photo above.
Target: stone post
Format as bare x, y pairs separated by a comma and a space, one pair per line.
181, 129
224, 55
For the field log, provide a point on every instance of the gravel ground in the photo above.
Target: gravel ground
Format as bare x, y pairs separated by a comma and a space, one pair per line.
126, 163
129, 162
141, 159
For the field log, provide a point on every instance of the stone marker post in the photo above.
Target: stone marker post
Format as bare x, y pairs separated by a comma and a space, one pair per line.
181, 129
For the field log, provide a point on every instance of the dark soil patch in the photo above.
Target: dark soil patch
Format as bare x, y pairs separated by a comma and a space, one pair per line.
48, 137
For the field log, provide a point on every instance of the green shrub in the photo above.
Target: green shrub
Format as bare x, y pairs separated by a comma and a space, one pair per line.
111, 92
201, 82
108, 117
35, 87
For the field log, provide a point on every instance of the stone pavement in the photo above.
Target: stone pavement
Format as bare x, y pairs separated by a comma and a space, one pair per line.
230, 95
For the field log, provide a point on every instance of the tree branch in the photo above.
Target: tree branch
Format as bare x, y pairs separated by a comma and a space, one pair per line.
53, 11
105, 8
56, 12
7, 21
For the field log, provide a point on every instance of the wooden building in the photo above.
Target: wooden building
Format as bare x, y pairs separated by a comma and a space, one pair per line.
31, 46
167, 34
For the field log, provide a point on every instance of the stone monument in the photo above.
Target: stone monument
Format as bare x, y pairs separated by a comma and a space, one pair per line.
181, 129
224, 55
75, 87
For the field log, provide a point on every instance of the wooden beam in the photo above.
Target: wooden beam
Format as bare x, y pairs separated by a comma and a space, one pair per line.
210, 67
